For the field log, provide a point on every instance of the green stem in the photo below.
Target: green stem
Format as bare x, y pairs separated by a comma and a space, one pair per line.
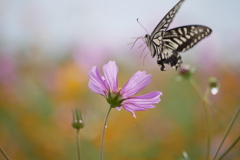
227, 132
78, 145
4, 154
234, 143
204, 99
197, 89
103, 133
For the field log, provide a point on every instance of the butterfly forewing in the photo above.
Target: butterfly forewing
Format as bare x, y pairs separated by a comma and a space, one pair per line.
183, 38
155, 40
167, 19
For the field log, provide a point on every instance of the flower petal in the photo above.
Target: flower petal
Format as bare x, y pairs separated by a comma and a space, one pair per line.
95, 88
147, 99
129, 109
135, 84
119, 108
110, 71
141, 103
97, 83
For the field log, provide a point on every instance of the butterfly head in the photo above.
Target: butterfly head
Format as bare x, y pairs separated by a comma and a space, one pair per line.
147, 36
147, 39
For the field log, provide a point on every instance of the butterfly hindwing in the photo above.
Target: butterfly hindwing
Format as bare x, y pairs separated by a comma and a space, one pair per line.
169, 56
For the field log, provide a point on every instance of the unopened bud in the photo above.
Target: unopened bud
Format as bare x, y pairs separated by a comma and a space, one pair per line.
77, 121
214, 85
186, 71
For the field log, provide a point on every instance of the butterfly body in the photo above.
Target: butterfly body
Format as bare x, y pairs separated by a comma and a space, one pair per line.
166, 44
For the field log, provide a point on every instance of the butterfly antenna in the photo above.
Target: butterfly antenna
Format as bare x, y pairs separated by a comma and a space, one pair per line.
142, 25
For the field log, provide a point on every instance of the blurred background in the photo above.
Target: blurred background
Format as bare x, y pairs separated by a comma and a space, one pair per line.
48, 47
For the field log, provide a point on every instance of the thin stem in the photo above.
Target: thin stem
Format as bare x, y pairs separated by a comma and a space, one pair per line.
103, 133
78, 145
204, 100
4, 154
227, 132
209, 126
234, 143
197, 89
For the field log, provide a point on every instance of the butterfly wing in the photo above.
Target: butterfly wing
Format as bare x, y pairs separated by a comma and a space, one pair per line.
181, 39
169, 56
167, 19
155, 40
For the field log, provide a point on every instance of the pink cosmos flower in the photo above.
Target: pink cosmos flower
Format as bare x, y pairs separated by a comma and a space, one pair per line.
107, 86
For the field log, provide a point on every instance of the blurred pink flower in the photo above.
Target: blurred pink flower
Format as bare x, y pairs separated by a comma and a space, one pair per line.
83, 55
107, 86
7, 69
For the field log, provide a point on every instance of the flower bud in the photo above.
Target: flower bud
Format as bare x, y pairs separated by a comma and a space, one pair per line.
77, 121
186, 71
214, 85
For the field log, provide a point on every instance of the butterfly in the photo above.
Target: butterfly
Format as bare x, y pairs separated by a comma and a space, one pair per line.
165, 44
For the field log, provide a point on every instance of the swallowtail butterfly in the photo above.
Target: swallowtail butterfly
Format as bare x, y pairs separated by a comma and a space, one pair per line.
165, 44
